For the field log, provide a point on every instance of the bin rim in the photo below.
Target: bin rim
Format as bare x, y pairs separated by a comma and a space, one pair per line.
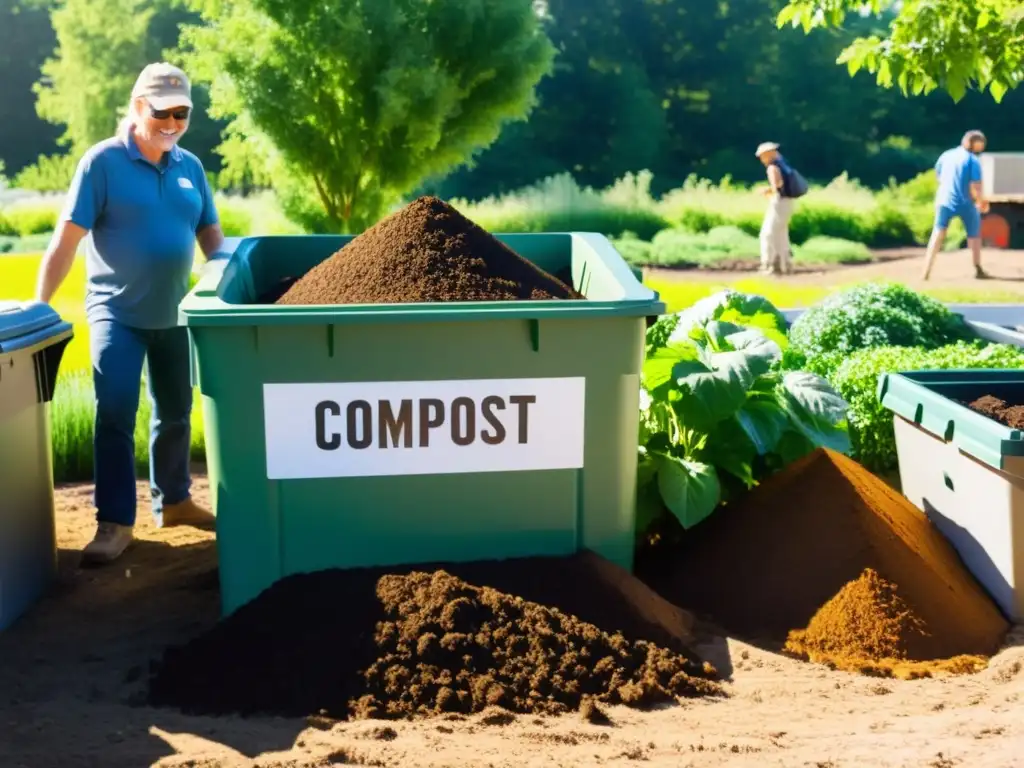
202, 306
907, 395
30, 324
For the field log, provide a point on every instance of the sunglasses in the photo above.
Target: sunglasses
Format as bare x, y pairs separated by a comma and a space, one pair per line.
181, 113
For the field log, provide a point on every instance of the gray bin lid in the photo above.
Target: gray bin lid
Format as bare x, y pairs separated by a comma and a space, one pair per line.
22, 318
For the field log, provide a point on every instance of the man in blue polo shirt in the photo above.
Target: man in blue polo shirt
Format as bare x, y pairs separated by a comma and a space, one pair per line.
959, 194
143, 202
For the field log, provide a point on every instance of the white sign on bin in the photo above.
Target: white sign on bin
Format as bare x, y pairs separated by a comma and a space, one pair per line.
364, 429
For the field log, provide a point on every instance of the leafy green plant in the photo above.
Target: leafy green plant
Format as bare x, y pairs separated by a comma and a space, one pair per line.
822, 249
873, 442
871, 315
31, 218
634, 250
718, 412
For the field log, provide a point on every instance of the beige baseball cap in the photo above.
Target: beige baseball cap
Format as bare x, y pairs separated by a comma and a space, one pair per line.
767, 146
164, 86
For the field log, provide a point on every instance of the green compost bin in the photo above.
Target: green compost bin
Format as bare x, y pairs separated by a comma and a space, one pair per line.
384, 434
32, 342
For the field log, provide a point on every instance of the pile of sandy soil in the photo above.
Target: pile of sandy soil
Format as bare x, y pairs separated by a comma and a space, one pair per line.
827, 561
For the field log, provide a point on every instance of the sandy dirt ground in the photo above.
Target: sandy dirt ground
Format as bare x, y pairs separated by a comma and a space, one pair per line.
72, 672
952, 270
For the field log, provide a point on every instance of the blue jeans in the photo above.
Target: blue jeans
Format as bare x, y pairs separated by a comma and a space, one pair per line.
118, 355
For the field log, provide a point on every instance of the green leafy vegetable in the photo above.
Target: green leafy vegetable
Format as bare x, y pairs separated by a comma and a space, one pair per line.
870, 315
718, 412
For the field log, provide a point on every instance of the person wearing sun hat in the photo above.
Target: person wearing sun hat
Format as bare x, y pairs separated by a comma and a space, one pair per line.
776, 251
138, 203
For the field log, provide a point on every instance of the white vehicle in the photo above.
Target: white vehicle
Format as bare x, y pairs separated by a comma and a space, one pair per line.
1003, 186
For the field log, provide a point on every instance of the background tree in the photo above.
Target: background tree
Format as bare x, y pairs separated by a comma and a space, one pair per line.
362, 100
101, 47
954, 45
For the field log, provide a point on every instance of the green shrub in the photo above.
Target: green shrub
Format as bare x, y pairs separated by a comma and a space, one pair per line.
30, 244
734, 240
699, 220
889, 227
235, 220
856, 380
6, 227
811, 219
50, 173
634, 250
558, 204
680, 247
821, 249
872, 315
31, 218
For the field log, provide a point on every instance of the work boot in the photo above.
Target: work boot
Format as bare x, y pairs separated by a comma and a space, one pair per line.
110, 542
186, 512
979, 273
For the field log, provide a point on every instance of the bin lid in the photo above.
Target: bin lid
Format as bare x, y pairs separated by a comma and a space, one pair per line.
20, 318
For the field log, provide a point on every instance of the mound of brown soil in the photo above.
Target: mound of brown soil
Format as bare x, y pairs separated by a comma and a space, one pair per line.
424, 252
779, 560
999, 410
400, 642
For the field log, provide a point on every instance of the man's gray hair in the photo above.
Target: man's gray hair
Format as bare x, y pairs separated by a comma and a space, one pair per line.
972, 136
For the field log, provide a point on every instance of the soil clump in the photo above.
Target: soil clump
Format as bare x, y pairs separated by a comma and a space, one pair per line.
401, 642
425, 252
999, 410
827, 562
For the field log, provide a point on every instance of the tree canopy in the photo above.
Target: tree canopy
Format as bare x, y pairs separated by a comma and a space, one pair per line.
953, 45
360, 101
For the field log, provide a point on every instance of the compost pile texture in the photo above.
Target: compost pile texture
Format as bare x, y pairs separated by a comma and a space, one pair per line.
392, 643
826, 562
424, 252
999, 410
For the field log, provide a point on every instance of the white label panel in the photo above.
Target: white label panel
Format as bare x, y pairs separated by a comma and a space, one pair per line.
360, 429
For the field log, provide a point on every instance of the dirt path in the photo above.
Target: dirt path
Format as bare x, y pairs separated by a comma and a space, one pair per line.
71, 672
951, 270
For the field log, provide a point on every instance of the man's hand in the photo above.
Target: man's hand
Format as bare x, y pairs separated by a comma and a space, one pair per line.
983, 206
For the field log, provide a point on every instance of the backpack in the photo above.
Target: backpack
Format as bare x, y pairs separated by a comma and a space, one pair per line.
797, 183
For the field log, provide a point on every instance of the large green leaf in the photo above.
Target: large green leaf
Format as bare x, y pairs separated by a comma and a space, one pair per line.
718, 333
816, 409
764, 421
690, 489
730, 449
657, 369
751, 305
649, 505
816, 395
793, 445
712, 389
764, 352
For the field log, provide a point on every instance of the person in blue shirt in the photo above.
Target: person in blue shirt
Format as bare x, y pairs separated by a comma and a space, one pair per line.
959, 194
138, 203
